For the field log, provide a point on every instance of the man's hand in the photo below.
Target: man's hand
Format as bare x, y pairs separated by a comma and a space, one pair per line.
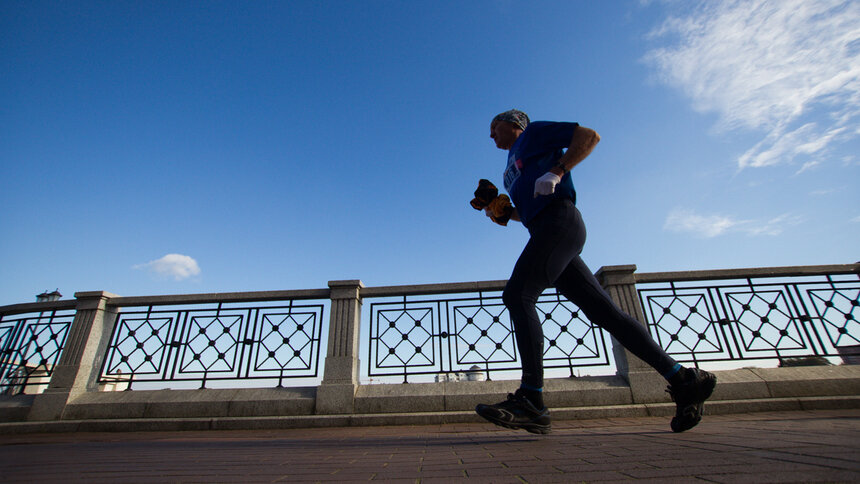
514, 215
545, 185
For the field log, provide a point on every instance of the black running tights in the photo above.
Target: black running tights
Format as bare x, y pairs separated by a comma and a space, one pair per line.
551, 258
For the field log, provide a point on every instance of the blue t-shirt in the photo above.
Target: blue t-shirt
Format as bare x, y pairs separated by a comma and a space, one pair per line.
533, 154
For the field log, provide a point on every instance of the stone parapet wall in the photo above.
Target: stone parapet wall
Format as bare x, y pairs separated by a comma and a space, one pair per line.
74, 398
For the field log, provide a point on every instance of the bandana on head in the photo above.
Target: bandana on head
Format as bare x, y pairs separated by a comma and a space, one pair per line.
514, 116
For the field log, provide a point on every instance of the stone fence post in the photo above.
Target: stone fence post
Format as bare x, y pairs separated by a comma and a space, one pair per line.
79, 366
646, 385
336, 393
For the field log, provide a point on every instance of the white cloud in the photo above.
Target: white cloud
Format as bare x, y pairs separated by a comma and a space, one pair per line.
850, 160
682, 220
808, 166
708, 226
177, 266
787, 68
823, 192
774, 226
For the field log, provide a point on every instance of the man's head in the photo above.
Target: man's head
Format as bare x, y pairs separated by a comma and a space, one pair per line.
515, 117
507, 127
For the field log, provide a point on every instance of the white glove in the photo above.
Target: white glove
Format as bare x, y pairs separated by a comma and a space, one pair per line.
545, 185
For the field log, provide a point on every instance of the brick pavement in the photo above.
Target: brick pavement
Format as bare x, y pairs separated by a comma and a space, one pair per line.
814, 446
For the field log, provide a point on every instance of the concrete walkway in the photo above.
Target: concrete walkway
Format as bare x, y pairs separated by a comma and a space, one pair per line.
814, 446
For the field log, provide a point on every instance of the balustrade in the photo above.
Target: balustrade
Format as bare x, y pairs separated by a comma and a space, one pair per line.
102, 342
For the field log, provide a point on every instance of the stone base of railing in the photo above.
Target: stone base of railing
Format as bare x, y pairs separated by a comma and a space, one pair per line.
738, 391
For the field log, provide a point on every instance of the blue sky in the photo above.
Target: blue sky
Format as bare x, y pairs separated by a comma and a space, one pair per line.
183, 147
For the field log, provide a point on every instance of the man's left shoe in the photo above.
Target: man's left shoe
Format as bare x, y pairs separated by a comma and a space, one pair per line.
517, 412
690, 397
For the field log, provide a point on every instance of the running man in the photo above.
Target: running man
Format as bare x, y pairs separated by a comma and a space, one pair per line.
537, 178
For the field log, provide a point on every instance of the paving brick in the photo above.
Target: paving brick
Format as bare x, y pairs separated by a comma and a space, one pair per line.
595, 476
784, 476
659, 480
787, 459
814, 446
490, 471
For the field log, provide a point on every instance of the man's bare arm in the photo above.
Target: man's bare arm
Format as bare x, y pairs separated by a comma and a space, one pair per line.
581, 144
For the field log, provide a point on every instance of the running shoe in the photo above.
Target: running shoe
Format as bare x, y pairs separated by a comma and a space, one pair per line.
517, 412
690, 397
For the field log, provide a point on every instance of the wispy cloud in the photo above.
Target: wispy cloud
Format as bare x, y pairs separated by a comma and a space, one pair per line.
788, 68
177, 266
713, 225
774, 226
682, 220
808, 166
824, 192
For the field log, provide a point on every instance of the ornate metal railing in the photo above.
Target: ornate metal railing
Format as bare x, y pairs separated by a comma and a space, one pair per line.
31, 343
205, 343
412, 333
466, 332
722, 315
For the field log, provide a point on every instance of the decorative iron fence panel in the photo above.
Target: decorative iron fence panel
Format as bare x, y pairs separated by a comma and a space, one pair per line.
472, 334
30, 346
753, 318
215, 342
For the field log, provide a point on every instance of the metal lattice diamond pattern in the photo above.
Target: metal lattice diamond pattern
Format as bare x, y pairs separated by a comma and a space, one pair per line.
199, 344
838, 309
285, 341
764, 321
211, 344
753, 318
43, 343
410, 332
142, 346
568, 333
684, 323
483, 334
474, 331
29, 349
